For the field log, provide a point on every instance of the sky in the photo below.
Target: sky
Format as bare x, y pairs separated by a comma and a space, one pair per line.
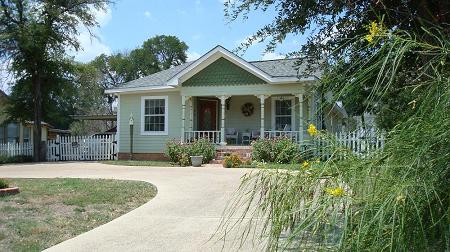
199, 23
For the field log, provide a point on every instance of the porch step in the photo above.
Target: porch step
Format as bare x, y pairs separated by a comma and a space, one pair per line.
244, 152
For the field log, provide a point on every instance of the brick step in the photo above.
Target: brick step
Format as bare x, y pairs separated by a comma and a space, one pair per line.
245, 154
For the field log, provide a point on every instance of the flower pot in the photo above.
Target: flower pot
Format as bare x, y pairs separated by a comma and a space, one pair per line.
196, 161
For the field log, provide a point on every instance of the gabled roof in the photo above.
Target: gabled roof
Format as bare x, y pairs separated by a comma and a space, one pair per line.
272, 71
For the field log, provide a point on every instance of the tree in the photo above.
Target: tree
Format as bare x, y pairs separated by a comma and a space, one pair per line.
36, 35
156, 54
337, 32
58, 96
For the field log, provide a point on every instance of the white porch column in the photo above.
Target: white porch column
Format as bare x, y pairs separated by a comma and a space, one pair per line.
183, 116
262, 101
301, 117
191, 114
222, 98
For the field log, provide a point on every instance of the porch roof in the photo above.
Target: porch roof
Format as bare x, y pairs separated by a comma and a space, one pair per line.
278, 69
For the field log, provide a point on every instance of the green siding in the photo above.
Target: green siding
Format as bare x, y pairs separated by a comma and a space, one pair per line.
222, 72
143, 143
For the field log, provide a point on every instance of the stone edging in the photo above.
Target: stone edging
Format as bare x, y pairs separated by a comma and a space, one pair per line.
9, 191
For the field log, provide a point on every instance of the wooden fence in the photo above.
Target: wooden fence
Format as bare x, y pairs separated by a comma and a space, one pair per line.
79, 148
16, 149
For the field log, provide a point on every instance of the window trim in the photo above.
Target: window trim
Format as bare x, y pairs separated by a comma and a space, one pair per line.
166, 116
273, 110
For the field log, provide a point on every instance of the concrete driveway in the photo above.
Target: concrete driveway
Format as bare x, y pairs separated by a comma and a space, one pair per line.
182, 217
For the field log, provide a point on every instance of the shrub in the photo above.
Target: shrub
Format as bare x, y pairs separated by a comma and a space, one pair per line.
175, 150
185, 160
203, 147
232, 161
180, 153
3, 184
16, 159
279, 150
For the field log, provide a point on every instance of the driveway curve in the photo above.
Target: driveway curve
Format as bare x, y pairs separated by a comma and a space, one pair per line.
182, 217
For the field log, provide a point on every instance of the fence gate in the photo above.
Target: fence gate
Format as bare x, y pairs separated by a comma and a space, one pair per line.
78, 148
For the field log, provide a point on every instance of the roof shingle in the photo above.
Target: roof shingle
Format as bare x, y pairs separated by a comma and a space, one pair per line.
274, 68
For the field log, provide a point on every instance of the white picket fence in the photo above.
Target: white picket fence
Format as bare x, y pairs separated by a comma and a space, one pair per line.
79, 148
360, 142
16, 149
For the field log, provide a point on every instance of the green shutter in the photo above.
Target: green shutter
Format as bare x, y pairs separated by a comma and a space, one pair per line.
222, 72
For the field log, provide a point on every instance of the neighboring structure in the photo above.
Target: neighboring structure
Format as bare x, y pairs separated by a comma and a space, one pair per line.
219, 96
15, 132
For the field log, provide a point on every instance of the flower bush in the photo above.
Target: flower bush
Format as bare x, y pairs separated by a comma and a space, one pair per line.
279, 150
232, 161
180, 153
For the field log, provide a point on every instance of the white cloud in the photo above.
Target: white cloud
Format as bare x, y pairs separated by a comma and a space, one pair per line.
91, 47
147, 14
198, 2
191, 56
272, 56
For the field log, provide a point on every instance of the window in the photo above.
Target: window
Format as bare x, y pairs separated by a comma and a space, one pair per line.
154, 115
282, 113
2, 134
13, 133
26, 134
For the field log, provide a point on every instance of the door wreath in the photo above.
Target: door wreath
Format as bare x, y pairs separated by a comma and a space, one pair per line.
247, 109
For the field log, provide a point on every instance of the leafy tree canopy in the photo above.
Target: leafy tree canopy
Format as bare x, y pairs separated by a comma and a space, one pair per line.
35, 35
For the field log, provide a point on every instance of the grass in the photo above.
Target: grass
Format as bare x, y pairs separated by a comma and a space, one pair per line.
49, 211
138, 163
273, 166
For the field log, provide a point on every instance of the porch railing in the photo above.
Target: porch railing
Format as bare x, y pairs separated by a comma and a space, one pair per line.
293, 135
212, 135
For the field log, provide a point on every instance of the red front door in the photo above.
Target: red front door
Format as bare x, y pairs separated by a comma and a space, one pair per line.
207, 114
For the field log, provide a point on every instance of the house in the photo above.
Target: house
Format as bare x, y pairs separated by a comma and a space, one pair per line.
219, 96
17, 132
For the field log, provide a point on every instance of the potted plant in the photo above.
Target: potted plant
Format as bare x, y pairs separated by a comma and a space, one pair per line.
196, 161
6, 190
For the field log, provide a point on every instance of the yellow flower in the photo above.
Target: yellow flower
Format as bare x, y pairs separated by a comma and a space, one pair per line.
374, 31
312, 131
305, 165
317, 161
336, 192
401, 198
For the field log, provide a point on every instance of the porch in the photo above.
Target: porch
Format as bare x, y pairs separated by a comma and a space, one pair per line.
240, 119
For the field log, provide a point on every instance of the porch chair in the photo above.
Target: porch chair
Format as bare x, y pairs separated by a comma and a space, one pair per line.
255, 134
231, 133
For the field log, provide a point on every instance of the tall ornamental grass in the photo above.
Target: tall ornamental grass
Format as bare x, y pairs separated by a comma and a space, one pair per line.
395, 200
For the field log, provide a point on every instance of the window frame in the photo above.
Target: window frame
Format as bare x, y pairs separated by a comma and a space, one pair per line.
17, 132
166, 116
273, 111
29, 134
2, 133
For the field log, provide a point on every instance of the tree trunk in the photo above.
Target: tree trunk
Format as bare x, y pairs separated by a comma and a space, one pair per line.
37, 132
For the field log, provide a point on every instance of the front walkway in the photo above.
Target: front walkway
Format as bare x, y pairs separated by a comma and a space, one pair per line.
182, 217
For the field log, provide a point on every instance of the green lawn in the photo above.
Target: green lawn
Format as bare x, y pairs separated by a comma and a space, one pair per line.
274, 166
49, 211
138, 163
